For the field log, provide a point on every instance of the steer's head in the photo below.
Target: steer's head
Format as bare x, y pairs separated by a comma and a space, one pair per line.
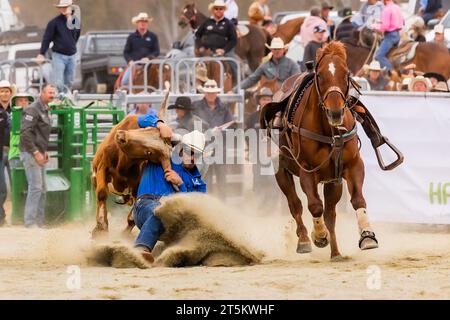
145, 144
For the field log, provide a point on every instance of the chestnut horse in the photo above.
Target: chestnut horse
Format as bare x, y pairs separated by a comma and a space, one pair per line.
429, 57
250, 47
289, 29
321, 145
153, 78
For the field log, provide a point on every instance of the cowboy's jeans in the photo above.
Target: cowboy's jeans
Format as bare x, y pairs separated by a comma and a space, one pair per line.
150, 225
63, 71
390, 40
37, 189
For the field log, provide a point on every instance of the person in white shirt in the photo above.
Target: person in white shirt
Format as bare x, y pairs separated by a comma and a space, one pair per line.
232, 11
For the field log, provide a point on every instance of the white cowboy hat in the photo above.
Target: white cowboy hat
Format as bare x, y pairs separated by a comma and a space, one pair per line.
22, 95
426, 81
201, 72
142, 16
217, 3
210, 86
375, 66
439, 28
7, 84
196, 140
277, 43
64, 3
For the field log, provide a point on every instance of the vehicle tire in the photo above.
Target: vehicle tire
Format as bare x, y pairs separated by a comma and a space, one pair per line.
90, 86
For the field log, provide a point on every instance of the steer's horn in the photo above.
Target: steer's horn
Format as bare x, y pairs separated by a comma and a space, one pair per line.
164, 103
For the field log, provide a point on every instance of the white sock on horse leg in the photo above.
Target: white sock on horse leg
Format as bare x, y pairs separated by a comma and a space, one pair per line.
363, 220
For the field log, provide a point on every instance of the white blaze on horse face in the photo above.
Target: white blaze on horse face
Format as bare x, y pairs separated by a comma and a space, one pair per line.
332, 68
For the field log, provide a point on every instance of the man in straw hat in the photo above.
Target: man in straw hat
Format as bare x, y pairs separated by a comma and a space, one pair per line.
64, 35
420, 84
279, 66
155, 184
258, 12
376, 80
141, 44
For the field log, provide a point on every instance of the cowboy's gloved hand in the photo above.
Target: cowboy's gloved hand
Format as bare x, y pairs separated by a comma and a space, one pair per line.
173, 177
164, 130
130, 62
220, 52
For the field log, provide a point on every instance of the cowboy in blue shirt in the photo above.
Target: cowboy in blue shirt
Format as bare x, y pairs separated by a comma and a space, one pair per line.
155, 183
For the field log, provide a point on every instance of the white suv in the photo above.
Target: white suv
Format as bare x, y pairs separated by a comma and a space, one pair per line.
17, 66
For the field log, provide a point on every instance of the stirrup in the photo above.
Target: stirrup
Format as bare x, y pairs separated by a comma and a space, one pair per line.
395, 163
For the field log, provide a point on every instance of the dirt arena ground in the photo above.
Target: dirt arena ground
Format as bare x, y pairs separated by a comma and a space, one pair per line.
411, 263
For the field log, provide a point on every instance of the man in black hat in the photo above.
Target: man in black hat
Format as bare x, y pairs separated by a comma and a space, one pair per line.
325, 15
186, 120
344, 31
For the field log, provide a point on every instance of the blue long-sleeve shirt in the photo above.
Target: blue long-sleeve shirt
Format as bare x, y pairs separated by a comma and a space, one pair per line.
153, 180
64, 39
139, 47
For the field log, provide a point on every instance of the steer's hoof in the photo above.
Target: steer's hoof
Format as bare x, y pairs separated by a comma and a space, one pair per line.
368, 241
99, 232
320, 242
304, 247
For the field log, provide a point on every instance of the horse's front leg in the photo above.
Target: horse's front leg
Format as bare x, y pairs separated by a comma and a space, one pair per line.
286, 183
354, 174
320, 235
332, 194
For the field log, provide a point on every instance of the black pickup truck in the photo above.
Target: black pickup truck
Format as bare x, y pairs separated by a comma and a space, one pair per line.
100, 60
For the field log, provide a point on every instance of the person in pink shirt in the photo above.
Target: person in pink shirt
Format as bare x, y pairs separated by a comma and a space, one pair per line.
391, 23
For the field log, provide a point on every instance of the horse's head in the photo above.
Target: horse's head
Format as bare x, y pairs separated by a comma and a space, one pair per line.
188, 15
332, 81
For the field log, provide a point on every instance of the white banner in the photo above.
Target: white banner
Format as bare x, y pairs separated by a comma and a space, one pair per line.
418, 191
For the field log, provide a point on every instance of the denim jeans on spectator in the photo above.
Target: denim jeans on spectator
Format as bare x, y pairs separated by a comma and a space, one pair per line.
390, 40
63, 71
150, 225
4, 164
37, 189
15, 163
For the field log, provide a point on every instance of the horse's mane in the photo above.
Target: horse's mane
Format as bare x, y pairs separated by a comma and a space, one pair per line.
333, 48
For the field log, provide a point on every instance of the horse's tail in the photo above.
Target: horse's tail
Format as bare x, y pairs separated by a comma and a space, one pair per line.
268, 41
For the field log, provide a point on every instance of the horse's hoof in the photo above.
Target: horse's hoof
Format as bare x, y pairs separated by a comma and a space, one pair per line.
368, 241
304, 247
320, 242
339, 258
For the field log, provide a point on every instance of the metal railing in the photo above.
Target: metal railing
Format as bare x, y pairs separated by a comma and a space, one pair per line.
9, 71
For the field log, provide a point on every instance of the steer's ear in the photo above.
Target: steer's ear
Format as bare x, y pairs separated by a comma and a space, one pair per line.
164, 103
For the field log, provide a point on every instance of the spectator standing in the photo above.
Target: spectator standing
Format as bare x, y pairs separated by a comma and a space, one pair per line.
307, 29
376, 80
64, 34
186, 120
19, 101
211, 110
4, 128
7, 90
141, 45
35, 130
